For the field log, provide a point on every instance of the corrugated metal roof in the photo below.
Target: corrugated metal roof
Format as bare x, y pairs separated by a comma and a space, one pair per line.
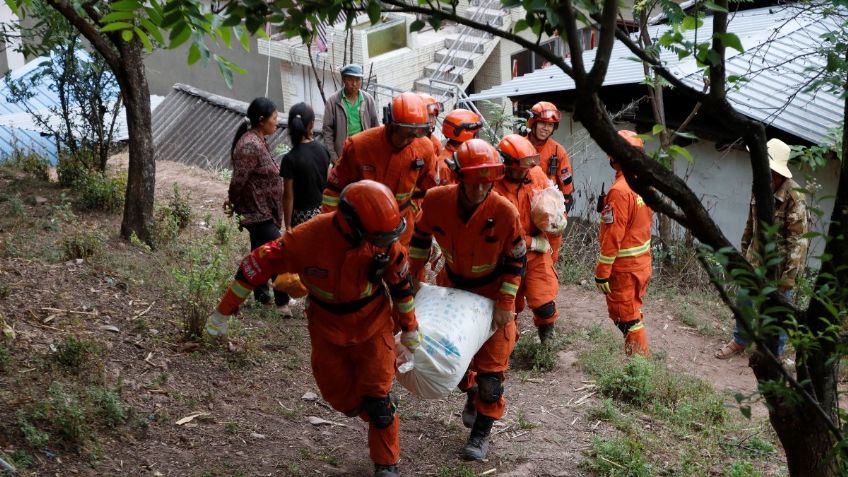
195, 127
20, 130
780, 44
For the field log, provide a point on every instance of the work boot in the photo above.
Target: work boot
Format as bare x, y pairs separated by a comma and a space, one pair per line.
386, 470
477, 445
546, 332
469, 412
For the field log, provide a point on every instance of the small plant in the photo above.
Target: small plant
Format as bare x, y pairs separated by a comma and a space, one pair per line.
75, 354
16, 206
531, 354
80, 244
100, 192
223, 232
631, 383
460, 470
65, 415
5, 359
74, 168
200, 281
166, 228
35, 437
742, 469
179, 206
139, 243
617, 458
523, 423
109, 406
22, 459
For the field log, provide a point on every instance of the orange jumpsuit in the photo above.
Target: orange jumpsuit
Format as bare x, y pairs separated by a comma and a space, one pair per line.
625, 259
484, 254
350, 316
369, 155
560, 173
540, 285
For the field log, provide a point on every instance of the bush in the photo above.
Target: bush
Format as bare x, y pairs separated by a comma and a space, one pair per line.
29, 163
179, 207
223, 232
631, 383
617, 458
73, 169
33, 436
166, 228
109, 407
200, 281
75, 354
100, 192
741, 469
80, 244
532, 355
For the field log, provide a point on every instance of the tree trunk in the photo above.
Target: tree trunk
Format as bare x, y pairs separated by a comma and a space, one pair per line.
141, 180
808, 443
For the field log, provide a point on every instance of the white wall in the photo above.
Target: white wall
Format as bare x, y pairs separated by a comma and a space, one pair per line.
722, 179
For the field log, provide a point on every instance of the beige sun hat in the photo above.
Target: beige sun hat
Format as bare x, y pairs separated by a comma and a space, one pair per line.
778, 152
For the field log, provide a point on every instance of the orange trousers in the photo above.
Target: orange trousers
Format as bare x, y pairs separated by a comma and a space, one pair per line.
624, 304
539, 286
493, 358
346, 374
556, 243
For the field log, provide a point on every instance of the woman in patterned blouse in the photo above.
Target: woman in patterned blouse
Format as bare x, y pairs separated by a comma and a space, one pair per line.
256, 189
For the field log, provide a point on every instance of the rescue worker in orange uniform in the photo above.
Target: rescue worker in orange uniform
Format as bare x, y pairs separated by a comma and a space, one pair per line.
553, 158
350, 314
434, 109
540, 284
480, 236
398, 154
459, 125
624, 262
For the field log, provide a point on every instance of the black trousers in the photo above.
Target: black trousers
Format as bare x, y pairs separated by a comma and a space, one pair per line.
260, 234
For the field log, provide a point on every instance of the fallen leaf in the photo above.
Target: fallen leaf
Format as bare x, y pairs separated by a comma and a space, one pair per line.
317, 421
309, 396
191, 417
256, 435
189, 347
111, 328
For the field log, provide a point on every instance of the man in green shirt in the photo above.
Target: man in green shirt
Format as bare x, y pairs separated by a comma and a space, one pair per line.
349, 111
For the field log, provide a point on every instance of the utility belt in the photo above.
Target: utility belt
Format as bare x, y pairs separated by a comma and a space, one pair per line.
466, 283
348, 307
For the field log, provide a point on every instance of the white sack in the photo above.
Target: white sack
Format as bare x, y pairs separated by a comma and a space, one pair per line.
455, 324
547, 209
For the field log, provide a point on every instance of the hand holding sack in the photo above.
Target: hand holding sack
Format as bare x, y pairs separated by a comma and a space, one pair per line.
547, 210
454, 325
540, 244
290, 284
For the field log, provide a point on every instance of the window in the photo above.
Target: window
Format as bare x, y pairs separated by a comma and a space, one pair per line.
386, 37
524, 62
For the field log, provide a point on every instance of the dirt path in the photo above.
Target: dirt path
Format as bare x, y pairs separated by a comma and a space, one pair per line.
258, 401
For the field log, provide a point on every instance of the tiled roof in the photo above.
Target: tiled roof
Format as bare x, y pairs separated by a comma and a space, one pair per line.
197, 128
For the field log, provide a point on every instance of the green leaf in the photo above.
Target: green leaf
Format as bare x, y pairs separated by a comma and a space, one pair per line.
145, 40
739, 397
373, 11
127, 35
193, 54
730, 40
520, 25
435, 21
179, 35
746, 411
244, 38
675, 149
658, 128
227, 73
691, 23
715, 7
153, 30
226, 34
117, 16
686, 135
415, 26
116, 26
125, 6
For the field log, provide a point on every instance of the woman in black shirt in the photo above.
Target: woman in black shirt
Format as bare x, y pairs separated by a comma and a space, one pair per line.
304, 168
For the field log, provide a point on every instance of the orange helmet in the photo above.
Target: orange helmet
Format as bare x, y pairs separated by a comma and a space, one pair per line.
545, 112
434, 107
476, 162
461, 125
632, 138
408, 110
517, 152
371, 213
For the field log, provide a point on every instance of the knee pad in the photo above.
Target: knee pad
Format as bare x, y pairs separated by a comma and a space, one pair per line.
490, 387
628, 326
545, 311
381, 411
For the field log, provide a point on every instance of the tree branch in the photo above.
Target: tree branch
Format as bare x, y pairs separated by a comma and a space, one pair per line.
718, 82
605, 44
91, 33
575, 50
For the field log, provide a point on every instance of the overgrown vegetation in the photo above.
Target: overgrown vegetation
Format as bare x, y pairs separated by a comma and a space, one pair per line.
670, 422
200, 279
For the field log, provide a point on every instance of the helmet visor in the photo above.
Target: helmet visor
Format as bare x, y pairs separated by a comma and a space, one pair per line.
413, 129
482, 174
386, 239
548, 115
523, 163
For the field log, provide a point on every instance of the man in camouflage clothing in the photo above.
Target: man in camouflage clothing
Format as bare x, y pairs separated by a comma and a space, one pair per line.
790, 218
